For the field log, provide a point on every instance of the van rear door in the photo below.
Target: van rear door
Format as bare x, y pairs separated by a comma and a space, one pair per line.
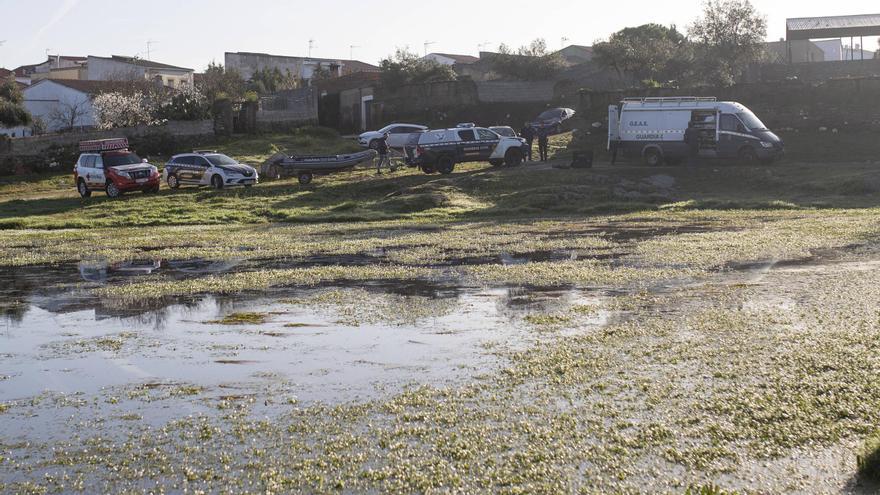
613, 124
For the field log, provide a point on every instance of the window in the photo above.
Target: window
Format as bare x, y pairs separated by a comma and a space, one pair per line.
467, 135
730, 123
487, 135
119, 159
184, 160
752, 121
88, 161
200, 161
220, 160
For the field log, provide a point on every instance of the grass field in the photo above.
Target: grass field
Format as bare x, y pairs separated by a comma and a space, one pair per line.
667, 330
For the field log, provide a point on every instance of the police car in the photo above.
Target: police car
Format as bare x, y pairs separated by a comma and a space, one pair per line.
207, 168
440, 150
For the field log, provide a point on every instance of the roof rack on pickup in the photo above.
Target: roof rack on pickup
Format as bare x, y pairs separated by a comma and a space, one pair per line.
671, 99
99, 145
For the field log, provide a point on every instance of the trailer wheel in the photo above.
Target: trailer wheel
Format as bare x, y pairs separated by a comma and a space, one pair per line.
374, 144
305, 178
653, 157
748, 155
445, 165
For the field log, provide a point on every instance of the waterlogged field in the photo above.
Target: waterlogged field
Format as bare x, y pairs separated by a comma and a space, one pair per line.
605, 331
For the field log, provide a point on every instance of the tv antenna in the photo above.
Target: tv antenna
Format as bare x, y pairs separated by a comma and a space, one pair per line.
351, 49
427, 44
311, 46
150, 44
564, 41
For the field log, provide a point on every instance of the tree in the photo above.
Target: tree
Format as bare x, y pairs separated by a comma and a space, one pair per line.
405, 67
220, 83
67, 114
270, 81
529, 63
650, 53
12, 112
728, 38
186, 103
118, 109
321, 73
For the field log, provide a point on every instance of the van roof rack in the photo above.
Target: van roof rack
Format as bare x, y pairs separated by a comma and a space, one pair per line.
672, 99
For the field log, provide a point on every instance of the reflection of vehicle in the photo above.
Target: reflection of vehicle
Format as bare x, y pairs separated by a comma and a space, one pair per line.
653, 129
398, 135
440, 150
553, 120
98, 271
208, 168
108, 165
504, 131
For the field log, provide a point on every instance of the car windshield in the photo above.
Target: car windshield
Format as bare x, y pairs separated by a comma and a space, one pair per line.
752, 121
551, 114
504, 131
220, 160
120, 159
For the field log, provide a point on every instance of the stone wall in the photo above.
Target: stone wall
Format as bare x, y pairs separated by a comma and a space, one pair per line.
288, 109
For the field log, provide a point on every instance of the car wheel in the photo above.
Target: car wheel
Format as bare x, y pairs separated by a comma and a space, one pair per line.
513, 158
374, 144
305, 178
428, 169
748, 155
217, 182
653, 158
83, 189
112, 190
496, 163
445, 165
173, 181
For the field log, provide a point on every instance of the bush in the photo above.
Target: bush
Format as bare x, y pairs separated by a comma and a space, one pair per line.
869, 459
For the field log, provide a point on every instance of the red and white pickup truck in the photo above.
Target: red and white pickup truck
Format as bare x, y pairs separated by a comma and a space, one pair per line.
108, 165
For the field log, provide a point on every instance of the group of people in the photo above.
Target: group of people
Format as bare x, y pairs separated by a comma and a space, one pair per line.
542, 134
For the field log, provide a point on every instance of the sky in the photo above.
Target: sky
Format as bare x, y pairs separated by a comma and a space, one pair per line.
192, 33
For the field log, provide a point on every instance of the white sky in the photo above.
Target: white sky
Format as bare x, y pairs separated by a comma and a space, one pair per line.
191, 33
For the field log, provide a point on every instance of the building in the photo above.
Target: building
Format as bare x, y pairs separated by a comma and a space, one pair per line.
857, 53
346, 102
836, 28
5, 73
576, 54
302, 68
832, 49
64, 104
451, 59
27, 74
120, 68
794, 52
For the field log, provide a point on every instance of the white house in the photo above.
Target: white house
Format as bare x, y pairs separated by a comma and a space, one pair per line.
63, 104
303, 68
119, 68
451, 58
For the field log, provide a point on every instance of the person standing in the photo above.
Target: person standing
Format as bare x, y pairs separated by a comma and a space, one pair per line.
543, 143
382, 148
692, 140
528, 133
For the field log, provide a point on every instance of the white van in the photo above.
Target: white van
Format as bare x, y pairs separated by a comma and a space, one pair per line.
653, 129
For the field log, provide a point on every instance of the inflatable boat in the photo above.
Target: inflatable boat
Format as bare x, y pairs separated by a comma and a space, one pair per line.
306, 167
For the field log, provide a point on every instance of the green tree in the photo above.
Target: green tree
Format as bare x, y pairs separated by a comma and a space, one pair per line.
221, 83
12, 112
270, 81
405, 67
650, 53
728, 38
532, 62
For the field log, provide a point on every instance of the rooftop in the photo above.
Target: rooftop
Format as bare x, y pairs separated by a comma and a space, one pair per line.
806, 28
459, 59
87, 87
354, 64
149, 64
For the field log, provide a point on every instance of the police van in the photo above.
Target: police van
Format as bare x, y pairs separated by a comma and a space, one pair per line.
440, 150
654, 130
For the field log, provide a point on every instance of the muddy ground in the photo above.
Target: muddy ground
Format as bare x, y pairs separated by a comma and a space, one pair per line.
652, 352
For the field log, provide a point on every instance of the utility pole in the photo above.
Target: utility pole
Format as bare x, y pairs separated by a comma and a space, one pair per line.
311, 46
351, 51
150, 44
427, 44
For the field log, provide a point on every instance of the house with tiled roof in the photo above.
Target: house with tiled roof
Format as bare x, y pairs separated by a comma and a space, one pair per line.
451, 58
303, 68
121, 68
28, 74
65, 104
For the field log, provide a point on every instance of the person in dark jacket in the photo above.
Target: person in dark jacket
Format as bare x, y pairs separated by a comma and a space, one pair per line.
543, 143
382, 148
692, 140
528, 133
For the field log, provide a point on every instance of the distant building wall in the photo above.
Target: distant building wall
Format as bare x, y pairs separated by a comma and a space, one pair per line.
46, 98
795, 52
288, 108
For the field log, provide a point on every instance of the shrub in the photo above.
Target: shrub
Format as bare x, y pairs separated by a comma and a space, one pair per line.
869, 459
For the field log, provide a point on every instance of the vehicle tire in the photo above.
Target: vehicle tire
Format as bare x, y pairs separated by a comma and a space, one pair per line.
112, 190
83, 189
173, 181
653, 157
217, 182
305, 178
748, 155
374, 144
496, 163
445, 165
428, 169
513, 158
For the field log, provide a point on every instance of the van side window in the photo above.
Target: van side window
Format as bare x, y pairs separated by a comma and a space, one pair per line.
730, 123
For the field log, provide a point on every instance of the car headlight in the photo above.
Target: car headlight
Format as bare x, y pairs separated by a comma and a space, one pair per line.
154, 170
766, 144
123, 174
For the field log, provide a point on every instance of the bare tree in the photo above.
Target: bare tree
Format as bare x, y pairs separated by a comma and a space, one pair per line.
67, 114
